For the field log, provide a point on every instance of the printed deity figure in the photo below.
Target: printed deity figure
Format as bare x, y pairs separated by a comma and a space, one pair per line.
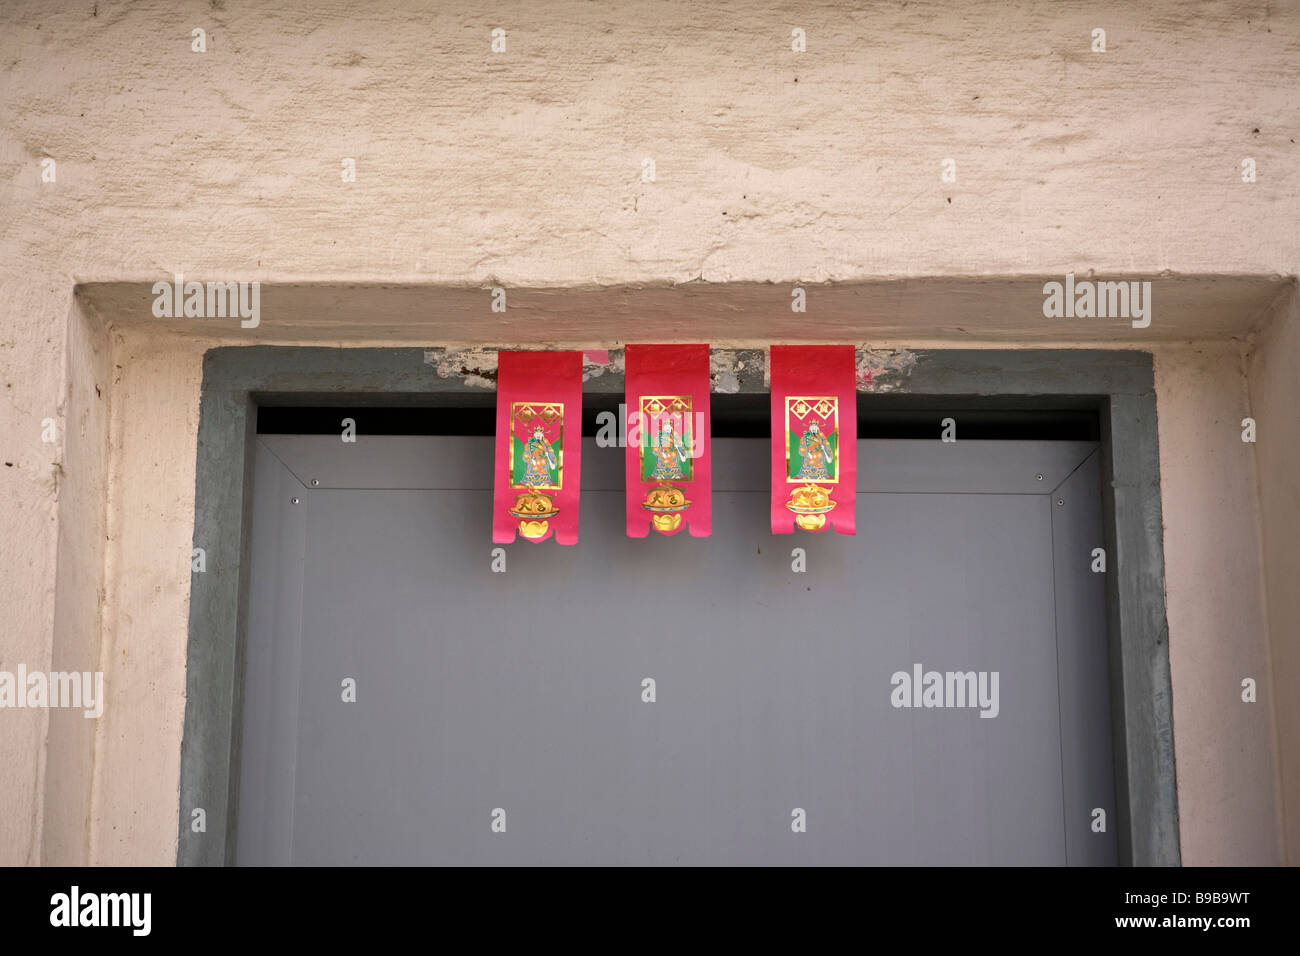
815, 454
539, 459
669, 452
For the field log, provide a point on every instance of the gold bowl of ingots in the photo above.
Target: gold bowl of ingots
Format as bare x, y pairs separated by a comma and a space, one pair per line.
810, 505
533, 511
665, 503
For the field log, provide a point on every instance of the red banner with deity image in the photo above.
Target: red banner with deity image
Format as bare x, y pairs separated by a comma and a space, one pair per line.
814, 437
538, 446
668, 465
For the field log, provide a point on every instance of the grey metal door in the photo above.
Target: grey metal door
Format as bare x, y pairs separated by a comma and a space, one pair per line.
500, 717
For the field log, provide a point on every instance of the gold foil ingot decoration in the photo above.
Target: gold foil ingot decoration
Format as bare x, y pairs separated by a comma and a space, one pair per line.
665, 502
534, 529
532, 510
810, 504
666, 524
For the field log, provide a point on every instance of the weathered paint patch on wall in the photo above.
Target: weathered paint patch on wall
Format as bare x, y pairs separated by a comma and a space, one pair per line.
884, 370
594, 369
476, 367
725, 367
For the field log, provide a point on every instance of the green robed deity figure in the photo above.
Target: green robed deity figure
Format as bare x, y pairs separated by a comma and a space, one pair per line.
539, 459
815, 455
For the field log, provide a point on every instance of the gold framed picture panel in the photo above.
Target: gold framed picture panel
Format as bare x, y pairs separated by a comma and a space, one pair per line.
652, 407
822, 410
526, 417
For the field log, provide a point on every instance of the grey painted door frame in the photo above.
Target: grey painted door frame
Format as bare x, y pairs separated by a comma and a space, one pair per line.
1118, 384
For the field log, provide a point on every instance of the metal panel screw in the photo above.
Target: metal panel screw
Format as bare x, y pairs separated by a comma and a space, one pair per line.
1060, 501
314, 482
1038, 477
293, 501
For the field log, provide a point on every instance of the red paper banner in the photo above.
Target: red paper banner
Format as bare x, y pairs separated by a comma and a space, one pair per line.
668, 465
538, 446
814, 437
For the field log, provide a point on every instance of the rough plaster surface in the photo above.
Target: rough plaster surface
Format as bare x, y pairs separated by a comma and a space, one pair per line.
137, 768
524, 170
1227, 793
80, 593
525, 167
1275, 405
955, 309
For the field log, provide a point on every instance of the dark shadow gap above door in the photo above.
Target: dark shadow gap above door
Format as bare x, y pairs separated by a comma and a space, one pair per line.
734, 416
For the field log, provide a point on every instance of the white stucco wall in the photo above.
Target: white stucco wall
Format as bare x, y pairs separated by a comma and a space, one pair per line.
524, 169
1227, 779
1275, 405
